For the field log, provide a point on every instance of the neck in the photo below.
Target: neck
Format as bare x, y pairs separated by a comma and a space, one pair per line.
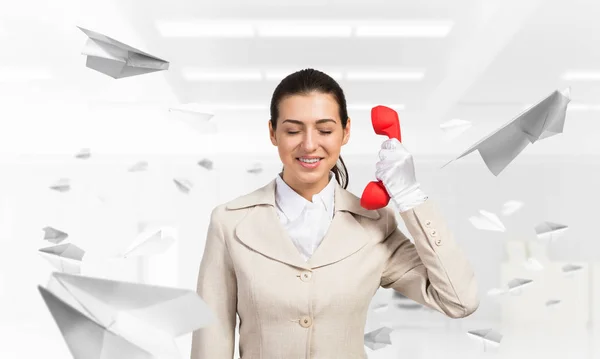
306, 190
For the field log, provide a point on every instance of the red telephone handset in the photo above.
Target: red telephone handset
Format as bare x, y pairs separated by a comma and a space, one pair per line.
385, 122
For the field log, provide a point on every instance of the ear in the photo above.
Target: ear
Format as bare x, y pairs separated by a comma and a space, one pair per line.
347, 132
272, 134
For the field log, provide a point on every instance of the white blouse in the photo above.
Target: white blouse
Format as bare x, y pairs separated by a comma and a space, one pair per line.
305, 222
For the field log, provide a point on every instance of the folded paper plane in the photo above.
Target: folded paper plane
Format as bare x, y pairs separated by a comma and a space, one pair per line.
549, 231
54, 235
117, 60
543, 120
64, 257
487, 221
101, 318
378, 339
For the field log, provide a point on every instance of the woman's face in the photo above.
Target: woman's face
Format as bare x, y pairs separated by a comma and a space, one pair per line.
309, 138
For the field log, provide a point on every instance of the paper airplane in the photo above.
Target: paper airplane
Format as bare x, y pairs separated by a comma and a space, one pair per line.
85, 338
487, 221
511, 207
206, 163
571, 268
486, 336
195, 116
64, 257
549, 231
255, 168
139, 167
454, 128
517, 284
533, 264
183, 185
378, 339
146, 317
54, 235
496, 292
552, 302
117, 60
152, 242
84, 154
62, 185
543, 120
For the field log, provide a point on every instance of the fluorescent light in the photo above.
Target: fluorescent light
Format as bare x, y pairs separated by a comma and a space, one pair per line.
23, 74
302, 29
278, 75
405, 29
368, 107
385, 75
205, 28
582, 75
193, 74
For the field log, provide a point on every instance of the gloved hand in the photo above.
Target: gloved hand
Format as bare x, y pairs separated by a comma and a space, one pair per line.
396, 171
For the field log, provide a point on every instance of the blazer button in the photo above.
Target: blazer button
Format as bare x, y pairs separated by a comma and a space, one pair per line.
305, 322
306, 276
438, 242
428, 223
433, 233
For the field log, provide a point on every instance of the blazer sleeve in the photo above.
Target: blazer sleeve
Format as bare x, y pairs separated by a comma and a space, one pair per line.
433, 271
218, 288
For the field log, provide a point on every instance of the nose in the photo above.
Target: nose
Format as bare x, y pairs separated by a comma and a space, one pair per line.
309, 143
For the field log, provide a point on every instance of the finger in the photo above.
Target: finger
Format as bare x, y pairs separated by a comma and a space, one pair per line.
391, 144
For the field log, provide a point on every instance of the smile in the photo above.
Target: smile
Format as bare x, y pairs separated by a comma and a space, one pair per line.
309, 162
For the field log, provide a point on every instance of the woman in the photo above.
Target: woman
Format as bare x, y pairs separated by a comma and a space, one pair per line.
299, 260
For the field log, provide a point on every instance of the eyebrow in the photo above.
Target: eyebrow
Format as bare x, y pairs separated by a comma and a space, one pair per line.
323, 120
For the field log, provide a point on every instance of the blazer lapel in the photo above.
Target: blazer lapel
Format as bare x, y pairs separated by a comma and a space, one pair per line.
346, 235
261, 229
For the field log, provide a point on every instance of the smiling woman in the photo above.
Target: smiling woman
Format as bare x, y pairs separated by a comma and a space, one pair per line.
309, 124
299, 259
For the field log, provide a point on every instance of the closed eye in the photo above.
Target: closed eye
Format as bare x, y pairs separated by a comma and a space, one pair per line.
326, 132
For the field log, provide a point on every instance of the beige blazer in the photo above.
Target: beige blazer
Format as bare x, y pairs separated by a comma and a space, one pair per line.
292, 309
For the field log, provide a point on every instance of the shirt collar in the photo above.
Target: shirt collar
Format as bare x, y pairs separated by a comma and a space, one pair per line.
292, 204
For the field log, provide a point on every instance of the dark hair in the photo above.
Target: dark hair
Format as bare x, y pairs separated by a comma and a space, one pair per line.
304, 82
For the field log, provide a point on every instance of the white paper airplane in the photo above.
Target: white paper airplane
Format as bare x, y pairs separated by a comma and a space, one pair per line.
152, 242
195, 116
487, 221
144, 317
533, 264
511, 207
54, 235
549, 231
255, 168
552, 302
486, 336
454, 128
571, 268
184, 185
64, 257
117, 60
84, 154
543, 120
62, 185
206, 163
86, 338
517, 284
139, 167
378, 339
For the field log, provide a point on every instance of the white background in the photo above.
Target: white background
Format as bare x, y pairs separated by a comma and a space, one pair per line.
499, 57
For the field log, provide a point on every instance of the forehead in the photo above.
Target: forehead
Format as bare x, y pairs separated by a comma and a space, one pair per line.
309, 107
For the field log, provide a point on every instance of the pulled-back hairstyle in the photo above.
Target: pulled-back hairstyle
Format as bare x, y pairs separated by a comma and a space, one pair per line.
304, 82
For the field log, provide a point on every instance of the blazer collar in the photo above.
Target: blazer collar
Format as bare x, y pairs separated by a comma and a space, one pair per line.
262, 231
344, 201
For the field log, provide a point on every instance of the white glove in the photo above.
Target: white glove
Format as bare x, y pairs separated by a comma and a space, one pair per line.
396, 171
